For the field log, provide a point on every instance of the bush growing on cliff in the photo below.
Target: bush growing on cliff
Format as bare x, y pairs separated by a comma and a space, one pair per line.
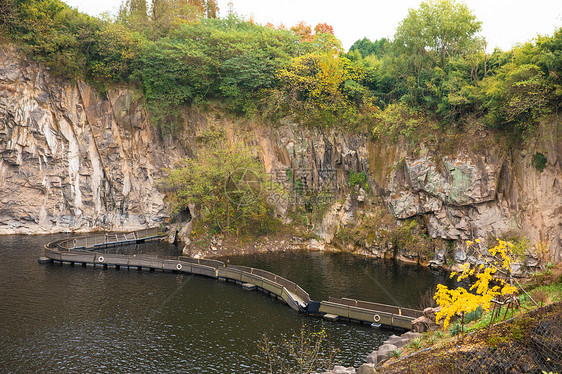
55, 34
539, 161
220, 59
410, 238
225, 182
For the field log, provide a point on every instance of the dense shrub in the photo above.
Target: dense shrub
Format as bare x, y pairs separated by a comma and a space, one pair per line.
180, 54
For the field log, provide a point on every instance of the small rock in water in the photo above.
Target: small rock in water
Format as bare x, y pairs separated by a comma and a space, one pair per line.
366, 369
343, 370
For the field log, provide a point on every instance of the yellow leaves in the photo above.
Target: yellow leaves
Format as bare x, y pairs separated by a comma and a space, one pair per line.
456, 301
508, 290
471, 243
483, 290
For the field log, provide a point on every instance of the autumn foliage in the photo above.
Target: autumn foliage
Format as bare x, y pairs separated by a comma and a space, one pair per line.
304, 30
490, 280
323, 28
180, 52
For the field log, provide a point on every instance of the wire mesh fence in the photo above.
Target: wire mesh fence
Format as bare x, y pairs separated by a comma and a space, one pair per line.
531, 343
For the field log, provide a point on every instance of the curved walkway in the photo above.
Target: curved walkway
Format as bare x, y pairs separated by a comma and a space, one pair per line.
81, 251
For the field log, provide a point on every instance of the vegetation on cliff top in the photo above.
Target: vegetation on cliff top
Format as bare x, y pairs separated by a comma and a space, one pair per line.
225, 184
178, 53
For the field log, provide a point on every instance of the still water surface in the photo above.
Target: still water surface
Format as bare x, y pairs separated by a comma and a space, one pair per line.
62, 319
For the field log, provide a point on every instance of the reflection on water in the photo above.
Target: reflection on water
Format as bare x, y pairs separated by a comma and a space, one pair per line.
342, 275
72, 319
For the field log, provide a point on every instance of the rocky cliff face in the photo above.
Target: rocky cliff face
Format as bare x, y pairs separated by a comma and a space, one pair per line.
486, 194
71, 160
468, 193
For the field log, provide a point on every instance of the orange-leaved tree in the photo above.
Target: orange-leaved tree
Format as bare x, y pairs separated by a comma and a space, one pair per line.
491, 282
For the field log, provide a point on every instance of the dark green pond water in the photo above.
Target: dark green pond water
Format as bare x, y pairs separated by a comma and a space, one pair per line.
62, 319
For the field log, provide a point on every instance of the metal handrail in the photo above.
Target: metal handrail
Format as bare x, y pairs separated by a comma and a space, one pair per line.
214, 268
107, 239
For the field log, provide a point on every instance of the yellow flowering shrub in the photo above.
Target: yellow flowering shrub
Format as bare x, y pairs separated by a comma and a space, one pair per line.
486, 287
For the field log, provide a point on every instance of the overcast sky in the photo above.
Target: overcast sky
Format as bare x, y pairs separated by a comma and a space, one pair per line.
504, 22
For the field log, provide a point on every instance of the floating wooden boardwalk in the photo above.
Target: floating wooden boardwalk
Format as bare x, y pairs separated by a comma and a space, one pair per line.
81, 251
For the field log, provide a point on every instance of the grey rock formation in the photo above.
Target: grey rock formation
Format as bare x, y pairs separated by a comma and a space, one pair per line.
367, 369
71, 160
342, 370
390, 345
468, 194
398, 341
425, 322
382, 354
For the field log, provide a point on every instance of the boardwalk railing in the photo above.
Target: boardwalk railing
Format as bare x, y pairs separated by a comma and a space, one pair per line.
365, 311
109, 240
80, 250
289, 285
378, 307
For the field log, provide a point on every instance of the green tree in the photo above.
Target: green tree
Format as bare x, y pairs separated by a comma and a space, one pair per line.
134, 14
115, 59
515, 97
168, 84
550, 62
56, 34
244, 78
156, 20
8, 15
226, 183
439, 29
428, 38
225, 59
367, 47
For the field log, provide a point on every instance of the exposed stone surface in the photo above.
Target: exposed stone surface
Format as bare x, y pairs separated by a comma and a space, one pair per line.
366, 369
383, 353
342, 370
71, 160
390, 345
397, 341
337, 216
471, 195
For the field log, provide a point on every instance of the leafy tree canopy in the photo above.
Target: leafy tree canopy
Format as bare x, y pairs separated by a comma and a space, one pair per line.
178, 53
438, 29
368, 48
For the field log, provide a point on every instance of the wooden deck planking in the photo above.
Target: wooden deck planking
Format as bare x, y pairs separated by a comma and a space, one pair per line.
291, 293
